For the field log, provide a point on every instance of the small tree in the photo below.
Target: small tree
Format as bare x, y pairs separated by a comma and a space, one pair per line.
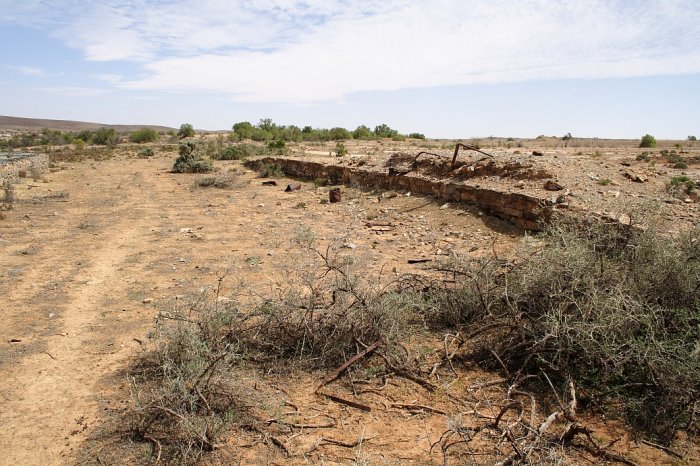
384, 131
362, 132
243, 130
692, 138
186, 131
648, 141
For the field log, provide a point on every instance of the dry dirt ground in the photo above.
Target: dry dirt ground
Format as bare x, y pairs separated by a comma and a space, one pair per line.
90, 254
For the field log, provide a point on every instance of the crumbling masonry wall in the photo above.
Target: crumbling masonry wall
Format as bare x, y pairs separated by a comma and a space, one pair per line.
521, 210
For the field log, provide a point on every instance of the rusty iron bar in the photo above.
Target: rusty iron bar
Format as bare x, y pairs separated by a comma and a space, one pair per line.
464, 146
458, 146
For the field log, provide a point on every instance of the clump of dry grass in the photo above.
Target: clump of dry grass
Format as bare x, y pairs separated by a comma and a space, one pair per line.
224, 180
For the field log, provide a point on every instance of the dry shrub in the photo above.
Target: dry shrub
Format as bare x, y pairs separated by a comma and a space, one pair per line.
335, 310
185, 389
617, 310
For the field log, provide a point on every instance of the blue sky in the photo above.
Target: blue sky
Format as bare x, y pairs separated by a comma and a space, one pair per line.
447, 68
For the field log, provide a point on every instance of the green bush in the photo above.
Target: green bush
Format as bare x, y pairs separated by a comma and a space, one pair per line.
189, 161
692, 138
186, 131
340, 150
644, 156
278, 147
681, 185
416, 136
339, 134
143, 135
271, 170
104, 137
146, 152
239, 151
648, 141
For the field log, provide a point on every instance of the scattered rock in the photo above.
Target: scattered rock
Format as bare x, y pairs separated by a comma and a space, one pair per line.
148, 301
553, 186
335, 195
349, 245
636, 177
537, 153
444, 206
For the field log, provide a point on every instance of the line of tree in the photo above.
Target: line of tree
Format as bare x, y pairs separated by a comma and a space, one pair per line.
267, 130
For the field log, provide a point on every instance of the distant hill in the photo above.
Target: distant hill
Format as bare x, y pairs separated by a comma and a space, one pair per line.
35, 124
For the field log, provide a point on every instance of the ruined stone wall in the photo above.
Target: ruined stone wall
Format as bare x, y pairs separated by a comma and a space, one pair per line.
519, 209
36, 162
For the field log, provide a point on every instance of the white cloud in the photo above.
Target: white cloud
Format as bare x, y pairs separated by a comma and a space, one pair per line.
26, 70
73, 91
316, 50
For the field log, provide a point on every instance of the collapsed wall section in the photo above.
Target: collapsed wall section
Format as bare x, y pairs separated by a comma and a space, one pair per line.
521, 210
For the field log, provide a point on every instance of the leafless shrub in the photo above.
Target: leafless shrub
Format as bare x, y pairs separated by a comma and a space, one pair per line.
336, 310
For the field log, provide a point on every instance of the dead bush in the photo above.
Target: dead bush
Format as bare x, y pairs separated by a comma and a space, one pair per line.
334, 310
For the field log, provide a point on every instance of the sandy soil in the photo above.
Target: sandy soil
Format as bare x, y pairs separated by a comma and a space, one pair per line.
89, 255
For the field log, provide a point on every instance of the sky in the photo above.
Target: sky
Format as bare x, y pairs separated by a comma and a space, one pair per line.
445, 68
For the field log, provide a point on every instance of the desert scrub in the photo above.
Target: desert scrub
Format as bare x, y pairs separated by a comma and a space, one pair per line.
185, 389
271, 170
614, 310
190, 161
146, 152
681, 186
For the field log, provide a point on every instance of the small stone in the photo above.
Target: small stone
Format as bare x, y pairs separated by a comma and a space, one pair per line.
350, 245
148, 301
552, 186
444, 206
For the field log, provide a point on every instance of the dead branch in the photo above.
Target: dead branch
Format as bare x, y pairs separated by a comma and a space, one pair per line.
345, 402
302, 426
417, 407
663, 448
349, 363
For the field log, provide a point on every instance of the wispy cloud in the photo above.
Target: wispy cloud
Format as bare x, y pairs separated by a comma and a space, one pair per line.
73, 91
26, 70
317, 50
